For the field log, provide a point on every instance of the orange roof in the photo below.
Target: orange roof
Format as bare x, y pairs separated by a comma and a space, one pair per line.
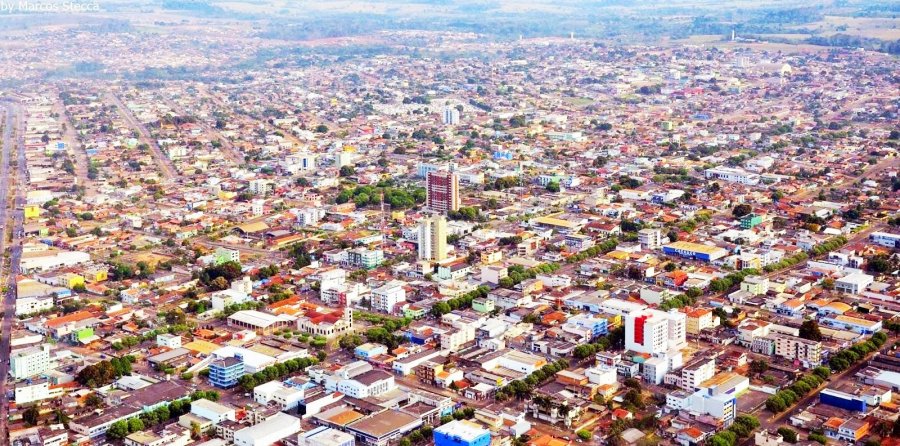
834, 422
72, 317
698, 312
547, 440
693, 432
346, 417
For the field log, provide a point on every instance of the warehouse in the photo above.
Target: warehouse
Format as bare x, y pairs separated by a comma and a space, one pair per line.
694, 251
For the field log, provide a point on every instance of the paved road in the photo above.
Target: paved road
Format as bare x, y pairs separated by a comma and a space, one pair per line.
165, 164
75, 147
14, 213
227, 149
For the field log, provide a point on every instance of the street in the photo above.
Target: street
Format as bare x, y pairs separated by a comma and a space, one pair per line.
162, 160
13, 121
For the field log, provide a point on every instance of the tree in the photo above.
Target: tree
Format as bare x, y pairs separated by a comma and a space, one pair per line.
822, 372
118, 430
31, 415
584, 434
789, 435
759, 367
350, 341
810, 330
347, 171
741, 210
553, 186
135, 425
321, 128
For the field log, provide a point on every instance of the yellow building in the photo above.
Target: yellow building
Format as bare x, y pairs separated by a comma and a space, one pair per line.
226, 195
70, 280
32, 211
698, 319
491, 257
95, 275
756, 285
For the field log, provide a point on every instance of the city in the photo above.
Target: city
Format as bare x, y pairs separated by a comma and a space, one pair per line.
338, 224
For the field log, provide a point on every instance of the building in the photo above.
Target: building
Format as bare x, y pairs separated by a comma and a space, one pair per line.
699, 319
168, 340
850, 323
697, 372
843, 400
442, 191
808, 352
285, 396
262, 323
451, 116
854, 283
29, 362
325, 436
268, 432
885, 239
695, 251
755, 285
461, 433
365, 258
173, 435
386, 297
749, 221
383, 428
655, 332
213, 411
366, 384
732, 175
650, 238
433, 238
35, 390
225, 372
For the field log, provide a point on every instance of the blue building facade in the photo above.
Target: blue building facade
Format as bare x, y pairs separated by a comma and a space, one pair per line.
843, 400
224, 373
461, 433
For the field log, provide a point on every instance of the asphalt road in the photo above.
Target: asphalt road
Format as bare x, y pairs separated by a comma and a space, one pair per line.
10, 215
162, 160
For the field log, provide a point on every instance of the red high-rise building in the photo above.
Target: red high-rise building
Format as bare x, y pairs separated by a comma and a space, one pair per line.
442, 191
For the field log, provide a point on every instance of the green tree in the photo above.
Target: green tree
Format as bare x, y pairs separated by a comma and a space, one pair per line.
809, 329
584, 434
789, 435
135, 425
31, 415
117, 430
741, 210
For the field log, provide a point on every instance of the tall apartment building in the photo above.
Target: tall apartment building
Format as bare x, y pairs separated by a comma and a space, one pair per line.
442, 191
451, 116
655, 332
29, 362
433, 238
696, 372
650, 238
385, 297
794, 348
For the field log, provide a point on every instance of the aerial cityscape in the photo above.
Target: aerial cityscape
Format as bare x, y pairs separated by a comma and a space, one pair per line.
450, 223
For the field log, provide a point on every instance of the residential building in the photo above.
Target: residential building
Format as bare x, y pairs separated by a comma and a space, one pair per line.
29, 362
433, 238
224, 372
386, 297
442, 191
808, 352
653, 331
